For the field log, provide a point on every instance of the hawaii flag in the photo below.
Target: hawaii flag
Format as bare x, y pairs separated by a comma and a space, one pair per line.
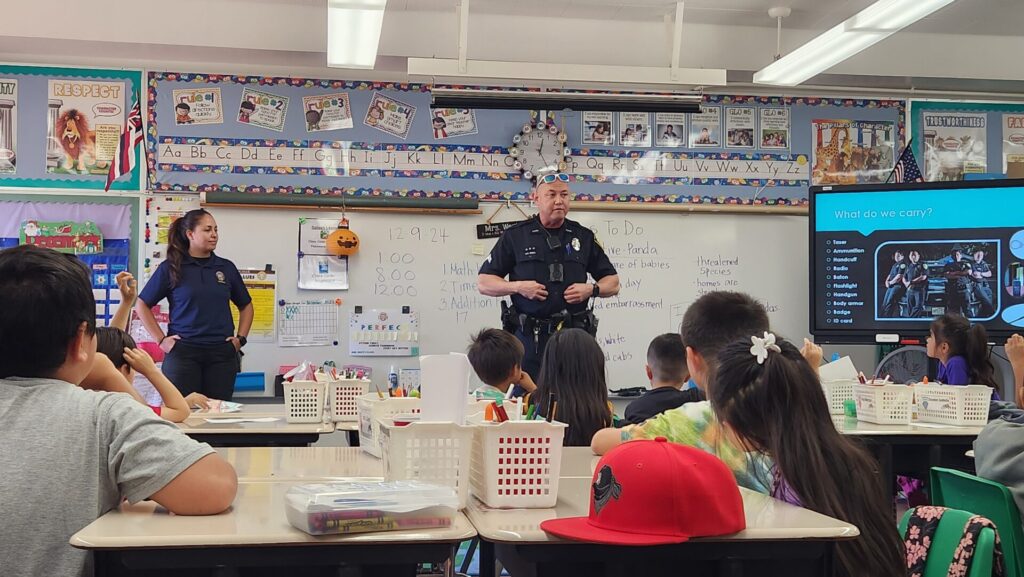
131, 136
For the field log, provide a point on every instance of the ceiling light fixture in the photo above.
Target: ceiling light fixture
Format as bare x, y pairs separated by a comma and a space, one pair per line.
353, 32
869, 26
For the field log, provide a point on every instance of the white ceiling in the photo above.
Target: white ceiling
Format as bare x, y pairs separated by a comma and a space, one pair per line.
971, 42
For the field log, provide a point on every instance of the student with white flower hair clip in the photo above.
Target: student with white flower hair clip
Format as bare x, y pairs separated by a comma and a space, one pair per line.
768, 396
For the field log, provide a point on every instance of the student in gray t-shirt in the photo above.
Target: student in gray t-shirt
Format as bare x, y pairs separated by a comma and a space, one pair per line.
70, 455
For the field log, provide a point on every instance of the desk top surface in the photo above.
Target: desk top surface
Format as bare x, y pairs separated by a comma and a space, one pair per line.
849, 426
256, 518
767, 518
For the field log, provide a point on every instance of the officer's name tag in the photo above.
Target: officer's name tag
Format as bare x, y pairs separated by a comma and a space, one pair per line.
488, 230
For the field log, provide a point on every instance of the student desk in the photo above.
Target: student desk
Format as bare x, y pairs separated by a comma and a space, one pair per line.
257, 410
276, 433
924, 439
253, 533
578, 462
775, 531
302, 464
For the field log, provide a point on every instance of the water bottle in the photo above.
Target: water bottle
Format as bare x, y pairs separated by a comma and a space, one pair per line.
392, 379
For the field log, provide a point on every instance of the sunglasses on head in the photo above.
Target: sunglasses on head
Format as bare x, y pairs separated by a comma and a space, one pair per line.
549, 178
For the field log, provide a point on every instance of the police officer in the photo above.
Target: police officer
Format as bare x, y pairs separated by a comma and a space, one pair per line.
203, 349
894, 287
980, 273
547, 259
958, 283
916, 280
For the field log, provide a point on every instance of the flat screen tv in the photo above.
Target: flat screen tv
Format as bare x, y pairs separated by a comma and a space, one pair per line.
885, 259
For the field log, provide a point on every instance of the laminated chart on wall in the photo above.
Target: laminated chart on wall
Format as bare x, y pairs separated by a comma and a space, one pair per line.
161, 211
308, 323
383, 332
318, 268
262, 286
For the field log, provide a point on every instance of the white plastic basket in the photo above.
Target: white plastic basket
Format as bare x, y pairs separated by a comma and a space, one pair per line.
953, 405
836, 393
304, 401
437, 453
883, 404
372, 409
343, 394
516, 464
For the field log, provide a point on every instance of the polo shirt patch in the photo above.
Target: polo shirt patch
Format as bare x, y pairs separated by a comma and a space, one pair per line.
220, 277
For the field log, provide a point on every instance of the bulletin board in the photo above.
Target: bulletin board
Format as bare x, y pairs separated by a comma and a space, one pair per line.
112, 219
308, 136
59, 127
953, 140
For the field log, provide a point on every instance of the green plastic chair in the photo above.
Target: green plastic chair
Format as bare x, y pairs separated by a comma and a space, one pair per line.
947, 537
959, 490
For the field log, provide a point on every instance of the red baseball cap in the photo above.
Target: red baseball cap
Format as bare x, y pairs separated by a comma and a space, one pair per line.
656, 493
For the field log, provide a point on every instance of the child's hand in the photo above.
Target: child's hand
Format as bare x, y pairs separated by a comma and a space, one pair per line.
1015, 350
140, 360
526, 382
812, 353
127, 285
198, 400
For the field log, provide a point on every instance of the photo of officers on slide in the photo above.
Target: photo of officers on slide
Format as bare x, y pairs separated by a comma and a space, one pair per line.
927, 279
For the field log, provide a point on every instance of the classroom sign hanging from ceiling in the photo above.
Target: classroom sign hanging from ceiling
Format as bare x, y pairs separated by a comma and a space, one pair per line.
403, 147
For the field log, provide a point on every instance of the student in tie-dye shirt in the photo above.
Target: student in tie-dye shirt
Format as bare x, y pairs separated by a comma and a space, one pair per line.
711, 322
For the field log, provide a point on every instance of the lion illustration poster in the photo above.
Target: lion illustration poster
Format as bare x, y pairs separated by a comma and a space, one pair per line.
84, 125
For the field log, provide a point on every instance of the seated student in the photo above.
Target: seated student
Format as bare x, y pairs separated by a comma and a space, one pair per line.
71, 455
666, 369
766, 394
962, 351
497, 358
120, 348
711, 322
573, 372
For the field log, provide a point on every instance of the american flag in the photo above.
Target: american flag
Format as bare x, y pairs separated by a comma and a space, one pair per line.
131, 136
906, 169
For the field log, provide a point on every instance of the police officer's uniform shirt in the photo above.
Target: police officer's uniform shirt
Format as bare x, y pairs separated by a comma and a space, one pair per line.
981, 267
522, 253
897, 268
199, 311
959, 266
915, 270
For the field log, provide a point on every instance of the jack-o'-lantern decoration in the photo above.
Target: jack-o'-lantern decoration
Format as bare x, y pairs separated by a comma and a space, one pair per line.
343, 242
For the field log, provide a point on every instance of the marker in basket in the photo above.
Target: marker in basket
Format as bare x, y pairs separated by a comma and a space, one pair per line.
489, 413
500, 412
531, 412
554, 411
860, 377
380, 394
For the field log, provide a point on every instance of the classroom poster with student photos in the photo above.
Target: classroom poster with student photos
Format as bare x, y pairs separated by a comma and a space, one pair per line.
706, 127
86, 117
263, 109
1013, 143
774, 129
739, 127
635, 129
389, 115
597, 129
451, 122
327, 112
197, 106
954, 144
670, 128
8, 124
851, 151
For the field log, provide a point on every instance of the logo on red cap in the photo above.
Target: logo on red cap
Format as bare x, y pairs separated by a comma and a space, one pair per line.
605, 488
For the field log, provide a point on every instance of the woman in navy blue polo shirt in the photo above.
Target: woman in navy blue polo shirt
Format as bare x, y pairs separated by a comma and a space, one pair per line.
203, 351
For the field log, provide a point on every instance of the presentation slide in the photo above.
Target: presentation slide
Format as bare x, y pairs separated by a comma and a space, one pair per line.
886, 261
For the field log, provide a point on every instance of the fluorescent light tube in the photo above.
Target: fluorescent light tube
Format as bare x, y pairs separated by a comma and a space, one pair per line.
864, 29
353, 32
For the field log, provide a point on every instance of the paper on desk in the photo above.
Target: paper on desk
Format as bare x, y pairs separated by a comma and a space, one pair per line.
217, 406
444, 383
233, 420
842, 369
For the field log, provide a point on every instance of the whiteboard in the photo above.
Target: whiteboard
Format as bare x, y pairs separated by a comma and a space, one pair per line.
430, 263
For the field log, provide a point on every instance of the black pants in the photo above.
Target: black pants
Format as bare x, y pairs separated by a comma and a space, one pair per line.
916, 297
891, 302
206, 369
534, 354
983, 292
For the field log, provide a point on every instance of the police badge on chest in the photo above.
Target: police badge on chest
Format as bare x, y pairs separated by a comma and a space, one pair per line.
220, 277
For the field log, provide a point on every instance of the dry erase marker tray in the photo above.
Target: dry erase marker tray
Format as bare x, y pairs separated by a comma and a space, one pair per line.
362, 507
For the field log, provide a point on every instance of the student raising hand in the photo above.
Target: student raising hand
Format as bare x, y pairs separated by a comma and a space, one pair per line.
1015, 353
812, 353
126, 284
